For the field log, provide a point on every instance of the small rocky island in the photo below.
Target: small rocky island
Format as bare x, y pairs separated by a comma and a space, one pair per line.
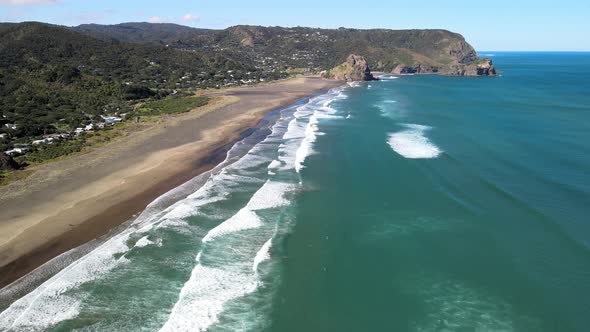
480, 67
477, 67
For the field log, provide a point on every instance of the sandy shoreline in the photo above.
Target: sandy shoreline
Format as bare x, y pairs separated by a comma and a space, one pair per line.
67, 203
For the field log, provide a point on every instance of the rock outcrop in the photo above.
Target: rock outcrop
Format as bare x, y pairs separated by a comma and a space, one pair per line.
415, 69
480, 67
7, 163
355, 68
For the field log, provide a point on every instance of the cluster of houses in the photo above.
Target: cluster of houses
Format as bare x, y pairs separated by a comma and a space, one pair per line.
22, 148
18, 149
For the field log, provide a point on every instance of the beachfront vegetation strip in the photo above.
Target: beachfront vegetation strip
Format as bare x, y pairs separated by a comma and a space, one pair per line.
171, 105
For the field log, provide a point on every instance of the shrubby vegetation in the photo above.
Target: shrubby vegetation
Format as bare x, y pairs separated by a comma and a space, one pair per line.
170, 105
51, 151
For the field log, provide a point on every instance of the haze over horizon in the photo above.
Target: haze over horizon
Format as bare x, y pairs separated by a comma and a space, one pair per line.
545, 27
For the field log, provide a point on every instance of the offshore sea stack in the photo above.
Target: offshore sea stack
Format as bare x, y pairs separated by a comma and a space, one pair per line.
355, 68
480, 67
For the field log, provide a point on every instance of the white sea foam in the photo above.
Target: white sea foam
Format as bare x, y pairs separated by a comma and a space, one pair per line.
311, 113
49, 303
413, 144
270, 195
203, 296
143, 242
305, 148
244, 219
274, 164
388, 78
262, 255
191, 205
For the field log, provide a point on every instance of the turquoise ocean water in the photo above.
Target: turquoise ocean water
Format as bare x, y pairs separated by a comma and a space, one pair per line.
416, 203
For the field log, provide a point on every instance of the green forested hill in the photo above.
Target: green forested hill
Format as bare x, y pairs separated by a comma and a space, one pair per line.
54, 79
309, 48
141, 32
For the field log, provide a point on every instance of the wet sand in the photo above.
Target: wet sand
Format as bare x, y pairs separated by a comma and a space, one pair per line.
67, 203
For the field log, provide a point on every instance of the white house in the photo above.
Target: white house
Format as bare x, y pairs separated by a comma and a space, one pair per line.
47, 140
16, 151
111, 119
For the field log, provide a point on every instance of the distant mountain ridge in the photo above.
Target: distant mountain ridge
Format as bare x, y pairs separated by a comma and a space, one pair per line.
312, 49
141, 32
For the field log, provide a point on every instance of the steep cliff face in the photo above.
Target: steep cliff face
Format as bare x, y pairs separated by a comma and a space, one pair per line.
354, 69
480, 67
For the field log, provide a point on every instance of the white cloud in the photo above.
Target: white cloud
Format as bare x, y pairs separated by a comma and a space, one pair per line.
156, 19
190, 17
27, 2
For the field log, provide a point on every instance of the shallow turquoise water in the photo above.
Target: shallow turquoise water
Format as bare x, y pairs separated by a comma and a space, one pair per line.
417, 203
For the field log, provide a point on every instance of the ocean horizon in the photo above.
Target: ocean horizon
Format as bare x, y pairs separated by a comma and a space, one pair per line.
412, 203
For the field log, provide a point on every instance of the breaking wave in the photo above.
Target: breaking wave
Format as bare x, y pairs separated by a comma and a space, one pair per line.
412, 143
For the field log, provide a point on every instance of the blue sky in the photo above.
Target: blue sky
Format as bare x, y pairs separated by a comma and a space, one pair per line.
488, 25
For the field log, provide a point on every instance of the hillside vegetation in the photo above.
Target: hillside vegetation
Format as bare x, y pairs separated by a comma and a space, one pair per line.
310, 48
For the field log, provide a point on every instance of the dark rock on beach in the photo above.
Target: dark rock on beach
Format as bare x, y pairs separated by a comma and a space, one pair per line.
7, 163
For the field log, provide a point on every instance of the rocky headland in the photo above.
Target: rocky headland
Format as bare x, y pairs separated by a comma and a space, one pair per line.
355, 68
